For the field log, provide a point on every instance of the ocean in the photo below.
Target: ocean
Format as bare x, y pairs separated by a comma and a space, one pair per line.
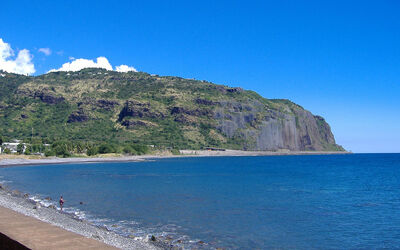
264, 202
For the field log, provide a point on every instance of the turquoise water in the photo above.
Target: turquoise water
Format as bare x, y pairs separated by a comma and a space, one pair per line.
285, 202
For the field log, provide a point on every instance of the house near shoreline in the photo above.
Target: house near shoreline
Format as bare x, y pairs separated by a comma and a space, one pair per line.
12, 146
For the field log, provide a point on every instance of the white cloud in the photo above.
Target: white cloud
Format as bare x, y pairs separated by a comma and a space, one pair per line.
124, 68
71, 58
101, 62
81, 63
46, 51
22, 64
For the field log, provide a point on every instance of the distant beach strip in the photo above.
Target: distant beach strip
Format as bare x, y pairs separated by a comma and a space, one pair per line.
10, 162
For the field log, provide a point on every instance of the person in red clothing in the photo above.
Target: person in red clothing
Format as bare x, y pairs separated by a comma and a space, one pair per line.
61, 202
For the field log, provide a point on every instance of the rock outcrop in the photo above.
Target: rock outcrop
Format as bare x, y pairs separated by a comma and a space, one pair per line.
45, 95
264, 129
138, 110
78, 116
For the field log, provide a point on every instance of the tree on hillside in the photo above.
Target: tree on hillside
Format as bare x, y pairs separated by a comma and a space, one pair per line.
1, 140
20, 148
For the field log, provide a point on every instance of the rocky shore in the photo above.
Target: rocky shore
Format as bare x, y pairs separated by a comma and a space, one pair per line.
19, 202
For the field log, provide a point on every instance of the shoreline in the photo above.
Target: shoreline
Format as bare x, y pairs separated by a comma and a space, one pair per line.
25, 209
15, 161
24, 205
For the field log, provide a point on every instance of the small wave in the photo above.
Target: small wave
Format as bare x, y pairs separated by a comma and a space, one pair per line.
127, 228
75, 212
43, 202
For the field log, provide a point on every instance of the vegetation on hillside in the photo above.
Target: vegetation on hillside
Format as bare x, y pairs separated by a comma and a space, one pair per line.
99, 111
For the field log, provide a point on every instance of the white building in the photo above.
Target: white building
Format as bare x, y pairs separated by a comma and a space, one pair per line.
12, 146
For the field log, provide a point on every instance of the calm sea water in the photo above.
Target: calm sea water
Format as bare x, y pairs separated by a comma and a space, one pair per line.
285, 202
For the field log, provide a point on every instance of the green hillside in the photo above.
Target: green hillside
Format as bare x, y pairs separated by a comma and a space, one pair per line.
95, 106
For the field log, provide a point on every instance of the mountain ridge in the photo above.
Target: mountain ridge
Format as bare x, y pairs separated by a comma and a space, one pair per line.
97, 105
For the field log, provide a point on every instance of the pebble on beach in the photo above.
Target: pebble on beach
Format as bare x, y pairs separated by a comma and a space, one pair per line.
16, 192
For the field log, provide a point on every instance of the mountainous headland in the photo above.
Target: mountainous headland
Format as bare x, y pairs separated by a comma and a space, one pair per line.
93, 107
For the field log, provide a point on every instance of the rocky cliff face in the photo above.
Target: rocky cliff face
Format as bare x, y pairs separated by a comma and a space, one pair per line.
97, 105
262, 128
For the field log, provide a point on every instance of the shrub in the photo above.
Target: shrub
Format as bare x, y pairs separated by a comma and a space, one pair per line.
106, 149
28, 150
129, 150
140, 149
36, 148
92, 151
175, 151
61, 150
20, 148
49, 152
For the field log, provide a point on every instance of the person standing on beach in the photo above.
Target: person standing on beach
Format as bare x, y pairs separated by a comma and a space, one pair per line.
61, 202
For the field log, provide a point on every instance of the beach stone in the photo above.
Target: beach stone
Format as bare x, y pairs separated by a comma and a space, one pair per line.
201, 242
16, 192
48, 198
95, 236
153, 238
81, 202
114, 225
52, 206
37, 206
26, 195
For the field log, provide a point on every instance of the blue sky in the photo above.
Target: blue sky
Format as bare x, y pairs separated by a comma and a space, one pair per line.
338, 59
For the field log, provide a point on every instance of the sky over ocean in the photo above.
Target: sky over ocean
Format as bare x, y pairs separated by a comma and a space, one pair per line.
338, 59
